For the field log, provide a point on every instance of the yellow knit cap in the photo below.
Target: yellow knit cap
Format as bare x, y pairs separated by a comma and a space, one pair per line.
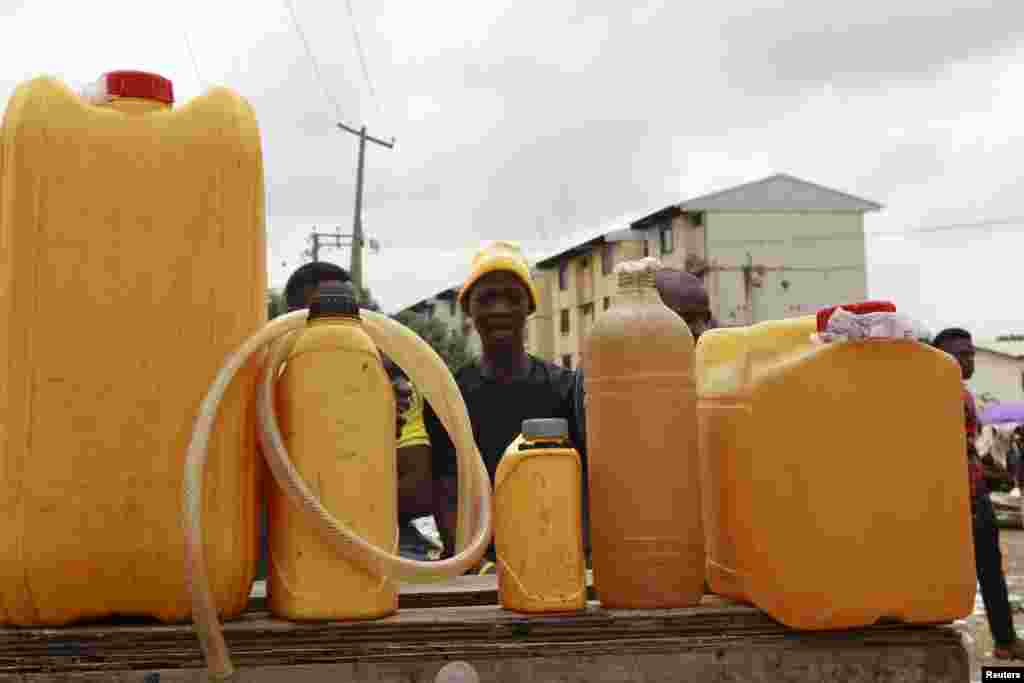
495, 257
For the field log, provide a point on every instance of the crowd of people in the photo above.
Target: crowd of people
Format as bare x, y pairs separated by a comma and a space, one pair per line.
506, 385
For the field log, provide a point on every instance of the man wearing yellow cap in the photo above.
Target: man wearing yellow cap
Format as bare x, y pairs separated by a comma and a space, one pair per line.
505, 385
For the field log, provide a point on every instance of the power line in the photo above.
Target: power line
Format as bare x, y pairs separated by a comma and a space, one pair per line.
316, 66
977, 225
362, 58
195, 63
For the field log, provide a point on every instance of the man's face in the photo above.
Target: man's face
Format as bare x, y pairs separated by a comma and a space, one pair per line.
963, 350
498, 305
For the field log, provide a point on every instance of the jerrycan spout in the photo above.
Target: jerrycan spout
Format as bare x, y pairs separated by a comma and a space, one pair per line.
430, 375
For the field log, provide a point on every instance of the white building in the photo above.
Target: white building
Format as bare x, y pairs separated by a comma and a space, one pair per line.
998, 371
774, 248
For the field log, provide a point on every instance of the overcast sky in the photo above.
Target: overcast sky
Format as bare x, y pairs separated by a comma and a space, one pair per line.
548, 121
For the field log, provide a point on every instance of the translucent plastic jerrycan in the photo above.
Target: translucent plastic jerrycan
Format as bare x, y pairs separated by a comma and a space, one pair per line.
646, 535
834, 481
132, 261
337, 413
538, 535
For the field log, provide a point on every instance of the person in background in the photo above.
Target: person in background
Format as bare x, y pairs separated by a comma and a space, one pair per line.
505, 385
1017, 444
415, 483
684, 293
1013, 462
988, 558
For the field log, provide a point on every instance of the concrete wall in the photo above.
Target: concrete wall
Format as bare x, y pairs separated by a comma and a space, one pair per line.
823, 252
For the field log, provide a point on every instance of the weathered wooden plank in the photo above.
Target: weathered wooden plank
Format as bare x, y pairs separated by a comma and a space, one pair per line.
461, 591
717, 640
479, 633
760, 665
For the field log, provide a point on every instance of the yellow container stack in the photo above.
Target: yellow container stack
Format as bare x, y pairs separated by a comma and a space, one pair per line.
132, 261
834, 480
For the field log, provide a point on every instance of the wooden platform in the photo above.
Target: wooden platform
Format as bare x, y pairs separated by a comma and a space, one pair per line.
716, 641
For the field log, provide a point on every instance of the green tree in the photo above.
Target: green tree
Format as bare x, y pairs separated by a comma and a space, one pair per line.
275, 303
451, 345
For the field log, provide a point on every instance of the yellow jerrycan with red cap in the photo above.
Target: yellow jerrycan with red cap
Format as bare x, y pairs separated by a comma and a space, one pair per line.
834, 481
132, 261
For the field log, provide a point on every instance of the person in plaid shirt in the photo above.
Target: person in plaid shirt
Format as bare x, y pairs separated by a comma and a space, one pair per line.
988, 558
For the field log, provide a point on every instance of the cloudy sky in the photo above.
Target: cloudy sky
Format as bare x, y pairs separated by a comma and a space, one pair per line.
549, 121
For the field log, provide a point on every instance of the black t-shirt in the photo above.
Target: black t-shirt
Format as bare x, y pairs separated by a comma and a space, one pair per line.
496, 413
497, 410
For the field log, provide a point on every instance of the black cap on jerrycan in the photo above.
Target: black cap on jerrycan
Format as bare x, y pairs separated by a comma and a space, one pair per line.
334, 299
546, 428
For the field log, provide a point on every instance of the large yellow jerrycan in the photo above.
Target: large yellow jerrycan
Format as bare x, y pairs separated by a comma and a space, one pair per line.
132, 260
336, 409
834, 481
538, 530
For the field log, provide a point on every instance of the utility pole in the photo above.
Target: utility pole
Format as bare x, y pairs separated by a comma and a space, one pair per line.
337, 239
356, 268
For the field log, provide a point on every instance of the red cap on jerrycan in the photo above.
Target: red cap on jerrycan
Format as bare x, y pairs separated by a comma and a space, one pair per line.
139, 84
857, 309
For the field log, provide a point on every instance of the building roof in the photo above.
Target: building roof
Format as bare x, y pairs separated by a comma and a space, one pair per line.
780, 192
581, 248
1013, 349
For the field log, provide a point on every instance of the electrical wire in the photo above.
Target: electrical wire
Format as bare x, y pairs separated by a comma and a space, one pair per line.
977, 225
195, 63
331, 101
362, 58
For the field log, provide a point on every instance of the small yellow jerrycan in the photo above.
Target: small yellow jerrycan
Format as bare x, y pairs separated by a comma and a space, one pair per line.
538, 535
337, 413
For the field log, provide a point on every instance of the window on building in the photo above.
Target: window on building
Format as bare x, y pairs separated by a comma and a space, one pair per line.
665, 237
565, 321
587, 310
563, 279
567, 361
647, 249
607, 302
607, 258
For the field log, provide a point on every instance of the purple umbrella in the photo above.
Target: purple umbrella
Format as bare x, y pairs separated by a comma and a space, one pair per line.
1001, 413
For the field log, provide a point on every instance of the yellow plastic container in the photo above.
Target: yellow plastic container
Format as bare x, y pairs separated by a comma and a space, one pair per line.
645, 518
132, 261
538, 535
834, 483
337, 413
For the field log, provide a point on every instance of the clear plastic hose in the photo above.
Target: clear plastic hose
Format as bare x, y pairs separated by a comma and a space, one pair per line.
430, 375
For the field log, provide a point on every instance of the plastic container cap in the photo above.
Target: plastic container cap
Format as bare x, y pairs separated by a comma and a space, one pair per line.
546, 428
334, 299
140, 84
857, 309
